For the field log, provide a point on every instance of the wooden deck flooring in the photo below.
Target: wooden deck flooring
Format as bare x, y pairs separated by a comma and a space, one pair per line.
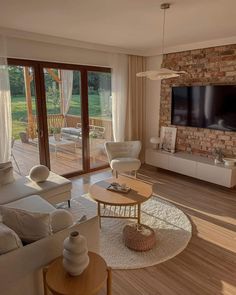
66, 160
208, 265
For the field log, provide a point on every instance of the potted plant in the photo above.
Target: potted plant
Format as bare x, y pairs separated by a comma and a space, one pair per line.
56, 131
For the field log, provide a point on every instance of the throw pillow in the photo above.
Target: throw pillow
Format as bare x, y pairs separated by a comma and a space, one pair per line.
6, 173
29, 226
9, 240
60, 219
39, 173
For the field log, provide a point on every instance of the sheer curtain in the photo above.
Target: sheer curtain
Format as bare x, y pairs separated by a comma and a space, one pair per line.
119, 95
66, 90
5, 107
136, 102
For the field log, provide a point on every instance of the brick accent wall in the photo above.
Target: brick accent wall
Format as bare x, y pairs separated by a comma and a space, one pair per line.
207, 66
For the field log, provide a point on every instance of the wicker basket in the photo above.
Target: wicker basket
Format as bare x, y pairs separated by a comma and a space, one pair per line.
139, 237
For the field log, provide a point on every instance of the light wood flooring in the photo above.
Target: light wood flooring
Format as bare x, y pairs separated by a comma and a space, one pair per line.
66, 160
208, 265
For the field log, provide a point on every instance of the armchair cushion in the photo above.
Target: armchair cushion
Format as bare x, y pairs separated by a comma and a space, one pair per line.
125, 164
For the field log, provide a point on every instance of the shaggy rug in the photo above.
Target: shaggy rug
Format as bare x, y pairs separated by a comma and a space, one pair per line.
172, 228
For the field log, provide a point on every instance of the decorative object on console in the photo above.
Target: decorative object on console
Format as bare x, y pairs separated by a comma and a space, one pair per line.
229, 162
155, 141
75, 254
39, 173
218, 154
162, 73
168, 138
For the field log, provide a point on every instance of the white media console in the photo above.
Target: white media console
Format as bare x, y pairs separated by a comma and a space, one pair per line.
192, 165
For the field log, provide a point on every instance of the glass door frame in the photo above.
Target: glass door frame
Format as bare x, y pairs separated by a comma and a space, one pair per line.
41, 107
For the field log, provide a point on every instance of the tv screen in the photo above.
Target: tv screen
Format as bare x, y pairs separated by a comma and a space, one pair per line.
212, 107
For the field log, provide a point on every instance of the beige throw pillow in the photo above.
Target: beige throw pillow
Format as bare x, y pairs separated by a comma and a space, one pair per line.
29, 226
9, 240
6, 173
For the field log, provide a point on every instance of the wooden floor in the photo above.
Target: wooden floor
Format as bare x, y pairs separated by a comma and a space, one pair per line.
66, 160
208, 265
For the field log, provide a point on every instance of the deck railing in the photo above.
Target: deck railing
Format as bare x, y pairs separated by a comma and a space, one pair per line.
59, 121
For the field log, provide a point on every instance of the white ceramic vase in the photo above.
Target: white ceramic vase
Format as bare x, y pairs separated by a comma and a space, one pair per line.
75, 254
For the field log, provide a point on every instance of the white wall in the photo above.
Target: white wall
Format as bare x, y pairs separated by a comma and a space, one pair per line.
153, 89
36, 50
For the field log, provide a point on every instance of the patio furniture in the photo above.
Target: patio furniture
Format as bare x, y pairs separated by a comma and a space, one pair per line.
12, 155
61, 143
123, 156
118, 204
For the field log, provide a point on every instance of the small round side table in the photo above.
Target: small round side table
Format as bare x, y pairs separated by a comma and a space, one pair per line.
90, 282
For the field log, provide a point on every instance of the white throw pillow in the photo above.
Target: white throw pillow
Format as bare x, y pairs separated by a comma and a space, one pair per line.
39, 173
60, 219
6, 173
9, 240
29, 226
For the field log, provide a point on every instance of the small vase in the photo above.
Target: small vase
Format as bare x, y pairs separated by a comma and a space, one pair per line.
75, 254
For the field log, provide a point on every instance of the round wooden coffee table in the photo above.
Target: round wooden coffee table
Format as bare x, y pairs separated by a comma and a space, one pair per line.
90, 282
124, 205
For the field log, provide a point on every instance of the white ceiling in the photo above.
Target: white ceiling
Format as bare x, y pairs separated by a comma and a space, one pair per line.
127, 24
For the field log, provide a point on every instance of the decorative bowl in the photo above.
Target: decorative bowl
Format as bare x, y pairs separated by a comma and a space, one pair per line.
229, 161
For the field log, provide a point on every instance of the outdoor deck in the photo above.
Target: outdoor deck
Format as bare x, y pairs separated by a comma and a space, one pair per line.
66, 160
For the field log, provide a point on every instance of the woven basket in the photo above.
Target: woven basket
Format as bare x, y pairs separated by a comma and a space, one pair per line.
139, 237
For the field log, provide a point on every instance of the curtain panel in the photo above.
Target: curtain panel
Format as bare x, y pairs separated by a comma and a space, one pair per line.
136, 102
119, 95
5, 107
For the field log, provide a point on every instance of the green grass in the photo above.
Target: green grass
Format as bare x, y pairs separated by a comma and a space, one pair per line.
98, 107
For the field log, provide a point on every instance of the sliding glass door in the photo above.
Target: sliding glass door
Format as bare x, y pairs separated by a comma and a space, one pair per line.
61, 116
63, 103
100, 116
25, 148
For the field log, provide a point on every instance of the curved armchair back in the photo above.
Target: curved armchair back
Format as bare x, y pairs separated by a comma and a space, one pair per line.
124, 149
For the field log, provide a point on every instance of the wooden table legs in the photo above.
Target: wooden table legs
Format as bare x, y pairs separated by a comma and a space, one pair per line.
109, 280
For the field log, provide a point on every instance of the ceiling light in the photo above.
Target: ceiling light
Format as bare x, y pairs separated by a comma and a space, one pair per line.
163, 73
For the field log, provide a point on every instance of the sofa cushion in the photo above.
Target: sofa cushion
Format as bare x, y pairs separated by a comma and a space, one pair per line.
24, 187
9, 240
6, 173
29, 226
59, 219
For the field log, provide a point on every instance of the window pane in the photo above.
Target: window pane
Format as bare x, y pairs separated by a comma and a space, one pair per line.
64, 120
100, 116
25, 152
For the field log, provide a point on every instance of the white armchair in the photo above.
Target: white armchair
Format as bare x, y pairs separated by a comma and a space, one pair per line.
123, 156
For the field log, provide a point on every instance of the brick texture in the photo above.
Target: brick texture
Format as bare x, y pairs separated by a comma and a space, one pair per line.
209, 66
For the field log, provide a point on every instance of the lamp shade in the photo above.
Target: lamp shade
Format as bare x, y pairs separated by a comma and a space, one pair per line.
155, 140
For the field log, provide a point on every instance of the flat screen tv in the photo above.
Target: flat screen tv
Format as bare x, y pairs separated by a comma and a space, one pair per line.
212, 107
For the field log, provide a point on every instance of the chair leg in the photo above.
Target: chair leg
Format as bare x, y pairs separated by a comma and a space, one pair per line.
135, 173
116, 173
68, 203
16, 163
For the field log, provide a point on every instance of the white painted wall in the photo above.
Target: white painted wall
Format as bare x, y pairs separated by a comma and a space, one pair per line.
36, 50
153, 89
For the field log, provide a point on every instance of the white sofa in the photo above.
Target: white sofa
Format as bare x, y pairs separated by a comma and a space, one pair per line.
55, 189
21, 269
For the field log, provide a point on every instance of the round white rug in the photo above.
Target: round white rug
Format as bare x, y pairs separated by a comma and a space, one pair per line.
172, 228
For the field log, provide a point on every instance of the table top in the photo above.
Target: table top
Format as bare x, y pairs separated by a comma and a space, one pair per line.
88, 283
139, 193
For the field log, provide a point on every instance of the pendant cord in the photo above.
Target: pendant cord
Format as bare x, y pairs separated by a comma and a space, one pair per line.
163, 32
